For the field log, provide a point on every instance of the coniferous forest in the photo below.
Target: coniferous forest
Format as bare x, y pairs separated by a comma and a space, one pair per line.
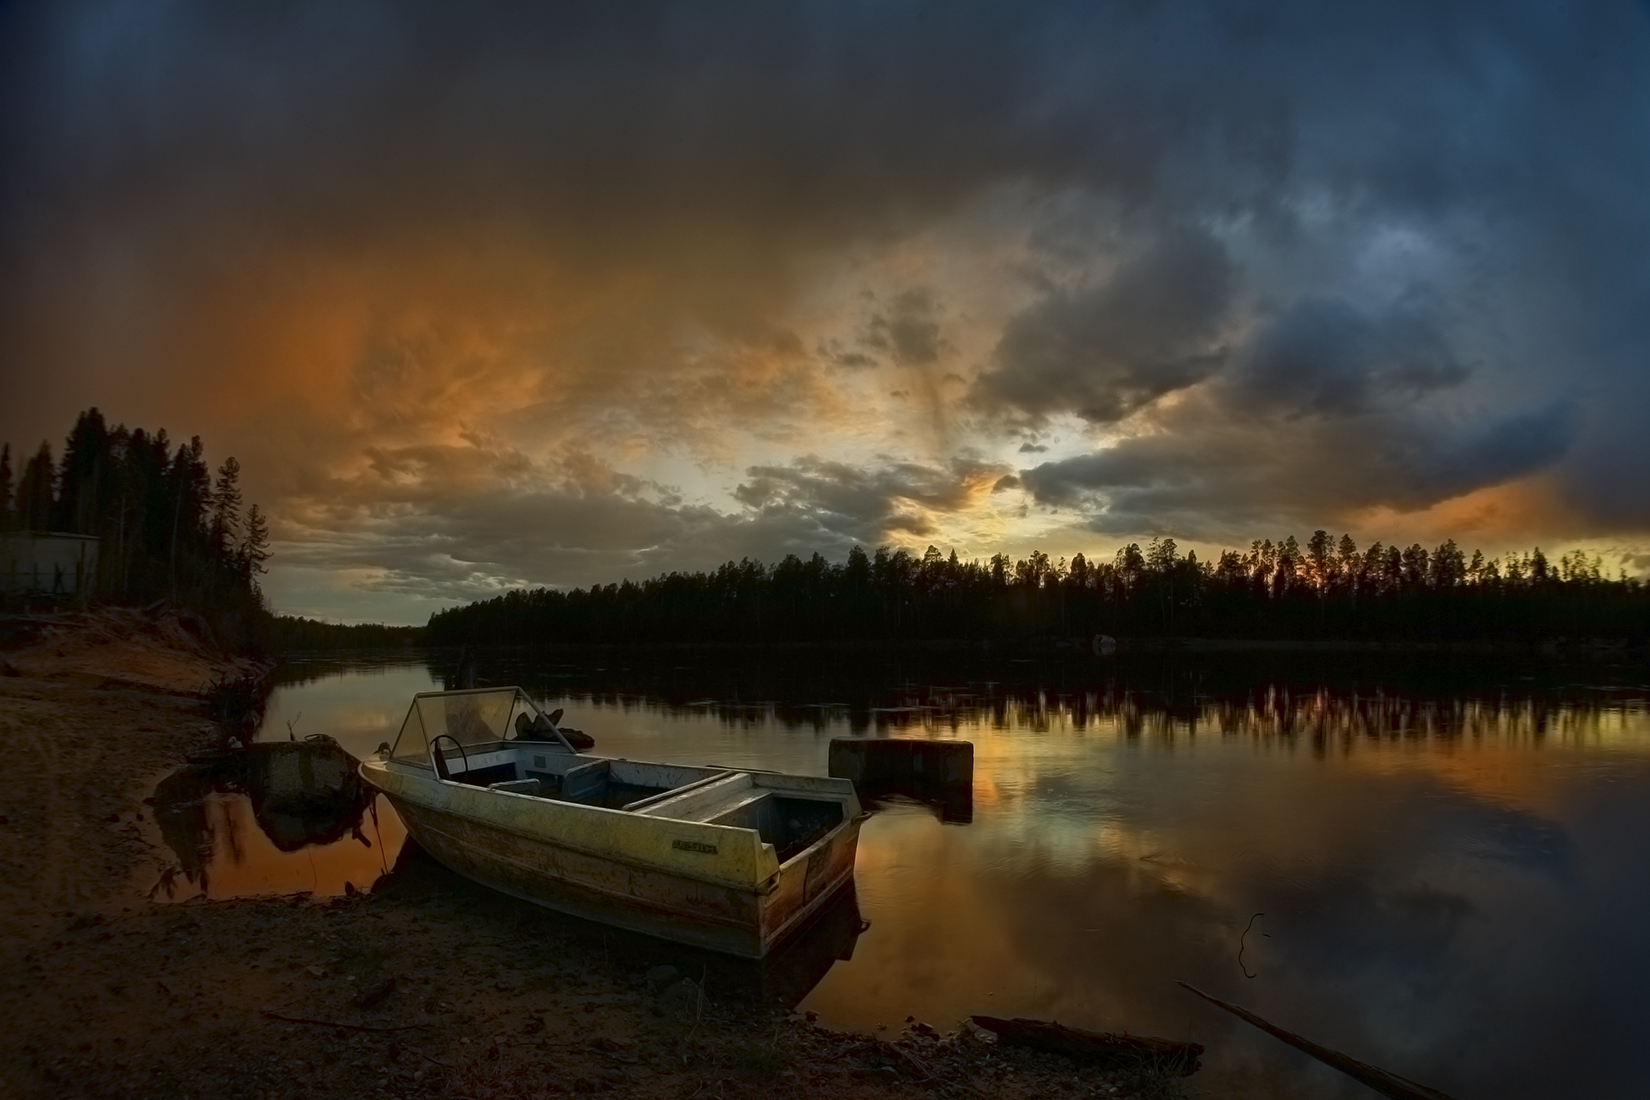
168, 526
169, 529
1328, 589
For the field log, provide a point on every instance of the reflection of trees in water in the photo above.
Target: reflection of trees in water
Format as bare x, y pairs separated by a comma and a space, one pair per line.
297, 670
1320, 717
302, 795
1309, 698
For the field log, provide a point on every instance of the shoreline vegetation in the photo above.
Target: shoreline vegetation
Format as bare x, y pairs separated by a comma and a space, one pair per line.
1325, 596
169, 533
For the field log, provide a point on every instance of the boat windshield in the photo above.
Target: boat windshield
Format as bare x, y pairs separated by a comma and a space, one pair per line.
472, 717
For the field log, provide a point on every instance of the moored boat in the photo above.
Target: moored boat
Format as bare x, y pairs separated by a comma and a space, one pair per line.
734, 860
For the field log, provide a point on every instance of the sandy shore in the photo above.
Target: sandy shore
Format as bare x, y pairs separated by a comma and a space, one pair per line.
428, 986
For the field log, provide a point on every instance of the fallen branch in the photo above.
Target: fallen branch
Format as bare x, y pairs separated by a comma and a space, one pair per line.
1105, 1048
1387, 1084
346, 1027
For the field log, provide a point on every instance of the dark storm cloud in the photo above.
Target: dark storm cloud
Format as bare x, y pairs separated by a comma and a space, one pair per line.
1323, 409
628, 130
1106, 352
608, 125
1327, 255
1324, 357
1212, 472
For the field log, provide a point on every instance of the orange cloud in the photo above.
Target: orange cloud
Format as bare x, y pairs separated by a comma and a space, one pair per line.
1510, 516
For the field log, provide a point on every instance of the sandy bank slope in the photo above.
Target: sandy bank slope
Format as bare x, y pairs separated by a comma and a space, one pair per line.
92, 707
167, 652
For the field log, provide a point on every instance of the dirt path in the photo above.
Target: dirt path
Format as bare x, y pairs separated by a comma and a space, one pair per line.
428, 987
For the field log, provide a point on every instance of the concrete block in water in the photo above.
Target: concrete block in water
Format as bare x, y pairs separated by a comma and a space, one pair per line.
897, 762
302, 772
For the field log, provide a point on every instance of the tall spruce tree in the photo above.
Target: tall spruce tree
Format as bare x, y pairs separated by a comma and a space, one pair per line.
82, 475
5, 487
226, 508
255, 546
36, 498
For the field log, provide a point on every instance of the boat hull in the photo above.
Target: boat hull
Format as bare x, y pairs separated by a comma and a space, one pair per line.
605, 866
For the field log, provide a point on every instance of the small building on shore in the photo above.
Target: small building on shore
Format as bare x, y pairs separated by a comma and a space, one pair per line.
48, 566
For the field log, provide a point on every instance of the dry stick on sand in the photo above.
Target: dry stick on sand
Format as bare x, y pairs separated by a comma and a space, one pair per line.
1387, 1084
346, 1027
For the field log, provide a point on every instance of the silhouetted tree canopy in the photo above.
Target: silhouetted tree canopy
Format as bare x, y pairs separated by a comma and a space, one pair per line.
167, 529
164, 530
1328, 589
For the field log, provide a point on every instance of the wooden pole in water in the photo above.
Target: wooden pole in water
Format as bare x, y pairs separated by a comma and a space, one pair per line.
1387, 1084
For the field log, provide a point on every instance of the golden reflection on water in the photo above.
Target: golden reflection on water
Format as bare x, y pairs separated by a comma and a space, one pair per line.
1119, 843
230, 855
1439, 872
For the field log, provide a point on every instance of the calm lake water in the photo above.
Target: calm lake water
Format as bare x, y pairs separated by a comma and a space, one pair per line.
1442, 868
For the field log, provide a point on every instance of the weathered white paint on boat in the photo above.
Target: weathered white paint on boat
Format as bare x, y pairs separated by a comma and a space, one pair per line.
687, 861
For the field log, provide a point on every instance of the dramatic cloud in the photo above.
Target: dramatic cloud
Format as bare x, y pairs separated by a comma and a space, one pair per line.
854, 505
1106, 352
1208, 471
1325, 358
556, 293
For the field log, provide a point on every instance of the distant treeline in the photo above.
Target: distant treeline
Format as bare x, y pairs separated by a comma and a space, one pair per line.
167, 528
289, 633
1328, 589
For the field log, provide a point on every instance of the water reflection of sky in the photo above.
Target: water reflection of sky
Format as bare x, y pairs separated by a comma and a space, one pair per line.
1453, 887
361, 704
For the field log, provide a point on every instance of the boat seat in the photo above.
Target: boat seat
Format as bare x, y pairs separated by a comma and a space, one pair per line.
696, 801
731, 811
516, 786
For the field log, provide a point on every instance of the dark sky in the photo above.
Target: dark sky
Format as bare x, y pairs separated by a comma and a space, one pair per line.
490, 295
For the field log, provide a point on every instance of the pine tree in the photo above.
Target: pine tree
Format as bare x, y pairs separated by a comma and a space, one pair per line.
190, 482
35, 497
5, 487
1538, 566
1288, 567
226, 509
82, 475
1348, 561
1320, 561
255, 546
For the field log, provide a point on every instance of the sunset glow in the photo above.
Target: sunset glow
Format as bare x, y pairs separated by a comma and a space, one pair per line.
553, 298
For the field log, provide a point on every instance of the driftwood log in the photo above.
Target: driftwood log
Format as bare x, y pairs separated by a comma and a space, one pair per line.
1387, 1084
1098, 1047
